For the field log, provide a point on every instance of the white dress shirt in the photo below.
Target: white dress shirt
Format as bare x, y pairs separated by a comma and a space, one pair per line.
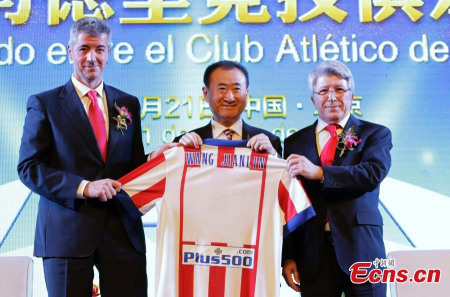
217, 130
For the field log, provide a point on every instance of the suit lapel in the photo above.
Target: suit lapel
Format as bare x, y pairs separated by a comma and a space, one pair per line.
205, 131
352, 122
246, 131
71, 104
114, 135
311, 150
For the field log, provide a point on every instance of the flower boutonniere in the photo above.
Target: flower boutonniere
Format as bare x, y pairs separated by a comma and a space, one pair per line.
347, 141
123, 118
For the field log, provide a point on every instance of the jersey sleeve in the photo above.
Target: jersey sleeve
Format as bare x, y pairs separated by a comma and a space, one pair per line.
294, 203
142, 187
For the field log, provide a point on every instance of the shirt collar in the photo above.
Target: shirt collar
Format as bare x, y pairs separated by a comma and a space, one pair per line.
321, 124
218, 128
83, 89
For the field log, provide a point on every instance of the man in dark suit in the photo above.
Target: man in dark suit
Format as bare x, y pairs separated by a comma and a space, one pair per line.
77, 139
226, 91
341, 162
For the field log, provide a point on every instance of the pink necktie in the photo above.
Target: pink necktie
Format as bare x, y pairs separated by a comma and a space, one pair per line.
328, 151
98, 123
228, 133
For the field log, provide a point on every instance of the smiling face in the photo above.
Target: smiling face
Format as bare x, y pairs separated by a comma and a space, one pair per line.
226, 94
89, 55
336, 103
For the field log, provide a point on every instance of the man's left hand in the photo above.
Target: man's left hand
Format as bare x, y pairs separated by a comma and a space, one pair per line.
161, 149
300, 165
261, 143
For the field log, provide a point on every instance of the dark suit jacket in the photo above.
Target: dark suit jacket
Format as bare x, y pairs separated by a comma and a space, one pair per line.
247, 133
58, 151
349, 196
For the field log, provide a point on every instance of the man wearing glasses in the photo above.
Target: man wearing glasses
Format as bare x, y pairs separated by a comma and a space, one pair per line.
341, 162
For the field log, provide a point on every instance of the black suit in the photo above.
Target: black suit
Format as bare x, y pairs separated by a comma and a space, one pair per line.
247, 133
349, 197
58, 151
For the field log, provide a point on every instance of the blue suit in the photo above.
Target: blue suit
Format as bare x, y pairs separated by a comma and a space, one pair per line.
58, 151
349, 197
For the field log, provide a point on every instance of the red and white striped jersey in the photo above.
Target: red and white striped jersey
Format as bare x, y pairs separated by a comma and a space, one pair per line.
221, 217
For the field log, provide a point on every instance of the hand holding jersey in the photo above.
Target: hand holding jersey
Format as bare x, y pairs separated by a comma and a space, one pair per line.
213, 234
259, 143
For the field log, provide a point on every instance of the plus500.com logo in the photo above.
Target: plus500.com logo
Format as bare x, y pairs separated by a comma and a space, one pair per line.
218, 256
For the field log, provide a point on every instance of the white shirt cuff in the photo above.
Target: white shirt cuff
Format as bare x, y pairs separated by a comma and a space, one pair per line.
81, 188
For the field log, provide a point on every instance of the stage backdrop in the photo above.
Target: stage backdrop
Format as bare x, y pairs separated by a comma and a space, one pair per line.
398, 52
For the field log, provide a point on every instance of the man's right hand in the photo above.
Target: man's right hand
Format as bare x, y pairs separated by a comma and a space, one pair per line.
191, 139
103, 189
289, 269
300, 165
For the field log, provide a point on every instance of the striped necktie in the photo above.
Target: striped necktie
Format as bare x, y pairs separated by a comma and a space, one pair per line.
228, 133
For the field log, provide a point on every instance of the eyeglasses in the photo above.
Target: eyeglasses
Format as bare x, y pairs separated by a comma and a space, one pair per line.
338, 92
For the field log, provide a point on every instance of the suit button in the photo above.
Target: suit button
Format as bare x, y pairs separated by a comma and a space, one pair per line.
66, 204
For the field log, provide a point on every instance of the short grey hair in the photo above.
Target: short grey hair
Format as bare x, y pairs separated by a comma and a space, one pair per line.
91, 26
331, 67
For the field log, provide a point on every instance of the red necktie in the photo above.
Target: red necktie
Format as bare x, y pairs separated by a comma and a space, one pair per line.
98, 123
228, 133
328, 151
